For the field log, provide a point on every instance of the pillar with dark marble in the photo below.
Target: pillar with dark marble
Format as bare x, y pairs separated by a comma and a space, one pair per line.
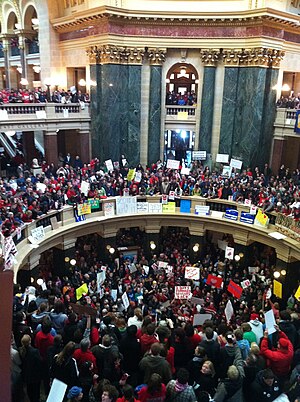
156, 58
50, 145
115, 103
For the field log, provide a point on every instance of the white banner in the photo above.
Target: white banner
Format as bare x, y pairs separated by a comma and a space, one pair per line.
142, 207
199, 155
222, 158
126, 205
235, 163
173, 164
38, 233
155, 208
192, 273
109, 165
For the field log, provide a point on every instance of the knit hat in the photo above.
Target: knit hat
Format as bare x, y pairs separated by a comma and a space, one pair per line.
284, 343
73, 392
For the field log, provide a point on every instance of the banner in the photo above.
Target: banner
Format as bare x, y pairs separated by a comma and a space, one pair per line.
126, 205
182, 292
182, 115
109, 208
169, 208
235, 289
297, 122
199, 155
142, 207
235, 163
185, 206
192, 273
213, 280
247, 218
202, 209
277, 289
229, 253
155, 208
94, 203
38, 233
231, 214
83, 209
222, 158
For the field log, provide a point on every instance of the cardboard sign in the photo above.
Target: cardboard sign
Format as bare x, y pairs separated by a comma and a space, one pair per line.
82, 290
173, 164
162, 264
235, 163
171, 195
247, 218
202, 209
252, 270
277, 288
38, 233
57, 391
125, 301
247, 202
138, 177
261, 219
84, 188
101, 276
270, 322
199, 155
182, 115
108, 208
146, 269
229, 253
235, 289
197, 301
253, 210
185, 171
185, 206
297, 294
199, 319
130, 174
226, 172
245, 284
192, 273
94, 203
164, 199
41, 187
182, 292
222, 158
83, 209
54, 223
82, 310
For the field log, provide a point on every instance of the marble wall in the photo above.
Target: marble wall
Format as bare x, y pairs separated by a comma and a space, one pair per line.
248, 114
154, 130
207, 108
115, 112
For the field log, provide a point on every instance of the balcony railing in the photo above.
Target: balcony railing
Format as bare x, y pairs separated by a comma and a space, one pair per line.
51, 109
174, 110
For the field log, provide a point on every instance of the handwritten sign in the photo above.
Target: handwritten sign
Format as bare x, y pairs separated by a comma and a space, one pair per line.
83, 209
192, 273
182, 292
173, 164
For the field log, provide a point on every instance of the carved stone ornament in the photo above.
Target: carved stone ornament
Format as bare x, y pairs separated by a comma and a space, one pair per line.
157, 56
210, 57
115, 55
255, 57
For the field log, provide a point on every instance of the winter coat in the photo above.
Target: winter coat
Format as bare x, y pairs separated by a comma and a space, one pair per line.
229, 391
261, 392
155, 364
290, 330
228, 355
257, 328
243, 344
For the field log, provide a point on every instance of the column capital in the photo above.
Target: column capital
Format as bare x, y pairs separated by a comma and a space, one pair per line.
253, 57
108, 54
156, 56
231, 57
210, 57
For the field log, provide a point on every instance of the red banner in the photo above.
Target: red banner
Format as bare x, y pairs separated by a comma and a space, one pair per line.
214, 280
235, 289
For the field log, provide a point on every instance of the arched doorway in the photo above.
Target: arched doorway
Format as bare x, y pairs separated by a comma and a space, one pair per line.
182, 85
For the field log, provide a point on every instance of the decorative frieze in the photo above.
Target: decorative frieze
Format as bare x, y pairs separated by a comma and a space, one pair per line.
210, 57
115, 55
156, 56
253, 57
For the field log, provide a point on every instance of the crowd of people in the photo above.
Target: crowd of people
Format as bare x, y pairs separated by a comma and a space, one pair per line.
289, 102
38, 95
25, 195
127, 337
185, 99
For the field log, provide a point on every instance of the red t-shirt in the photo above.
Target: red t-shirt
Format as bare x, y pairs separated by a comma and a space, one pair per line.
160, 396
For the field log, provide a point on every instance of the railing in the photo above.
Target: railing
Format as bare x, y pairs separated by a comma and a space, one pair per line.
50, 108
174, 110
285, 118
22, 108
72, 108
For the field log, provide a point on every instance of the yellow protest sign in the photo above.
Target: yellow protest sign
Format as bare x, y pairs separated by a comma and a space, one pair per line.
130, 174
297, 294
82, 290
182, 115
277, 288
169, 208
83, 209
261, 218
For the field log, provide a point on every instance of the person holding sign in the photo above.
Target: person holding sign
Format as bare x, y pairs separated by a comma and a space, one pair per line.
280, 359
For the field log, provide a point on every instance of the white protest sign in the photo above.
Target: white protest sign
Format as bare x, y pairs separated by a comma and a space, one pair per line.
155, 208
245, 284
247, 202
171, 195
138, 177
164, 199
226, 172
146, 269
192, 273
85, 187
222, 158
109, 165
125, 301
253, 210
126, 205
114, 294
57, 391
228, 311
202, 209
252, 270
170, 269
235, 163
41, 114
270, 322
229, 253
132, 268
162, 264
38, 233
101, 276
199, 155
109, 208
142, 207
173, 164
185, 171
182, 292
199, 319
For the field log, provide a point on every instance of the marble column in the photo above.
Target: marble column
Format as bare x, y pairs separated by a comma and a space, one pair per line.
84, 145
116, 103
29, 145
156, 58
50, 145
5, 43
207, 108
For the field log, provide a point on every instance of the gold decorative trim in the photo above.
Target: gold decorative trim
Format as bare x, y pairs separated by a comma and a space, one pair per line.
210, 57
254, 57
109, 54
157, 56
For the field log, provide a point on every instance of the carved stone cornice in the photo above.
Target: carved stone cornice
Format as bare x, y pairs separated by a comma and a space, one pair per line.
115, 55
135, 56
254, 57
156, 56
210, 57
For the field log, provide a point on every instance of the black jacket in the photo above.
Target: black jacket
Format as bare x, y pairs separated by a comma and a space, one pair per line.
261, 392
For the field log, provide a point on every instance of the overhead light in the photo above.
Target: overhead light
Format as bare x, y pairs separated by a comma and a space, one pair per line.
237, 258
283, 272
20, 69
152, 245
24, 81
40, 281
196, 247
82, 82
73, 261
183, 134
35, 21
36, 69
276, 274
241, 255
285, 88
31, 279
67, 259
111, 250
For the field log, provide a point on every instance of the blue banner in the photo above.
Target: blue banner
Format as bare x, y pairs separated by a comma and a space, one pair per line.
231, 214
297, 123
247, 218
185, 206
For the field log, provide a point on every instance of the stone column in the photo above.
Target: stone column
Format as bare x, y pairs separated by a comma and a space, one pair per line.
6, 309
5, 42
21, 39
156, 58
249, 104
116, 102
84, 145
210, 58
29, 146
50, 146
145, 95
